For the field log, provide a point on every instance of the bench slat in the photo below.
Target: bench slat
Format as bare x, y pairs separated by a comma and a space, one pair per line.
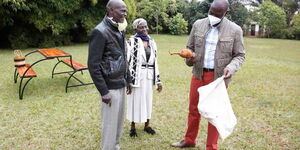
76, 65
29, 73
50, 53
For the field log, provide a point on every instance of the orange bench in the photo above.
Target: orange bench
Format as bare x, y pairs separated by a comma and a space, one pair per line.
76, 66
23, 72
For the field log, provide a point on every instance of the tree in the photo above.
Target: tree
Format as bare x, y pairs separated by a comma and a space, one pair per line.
177, 25
290, 7
48, 23
52, 22
197, 10
238, 13
157, 13
296, 26
131, 14
272, 18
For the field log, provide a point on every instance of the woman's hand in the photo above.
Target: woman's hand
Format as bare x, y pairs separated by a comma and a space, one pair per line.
159, 87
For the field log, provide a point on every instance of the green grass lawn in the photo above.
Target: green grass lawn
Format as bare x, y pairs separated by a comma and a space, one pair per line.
265, 96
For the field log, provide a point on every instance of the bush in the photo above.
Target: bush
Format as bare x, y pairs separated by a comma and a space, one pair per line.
53, 22
177, 25
288, 33
296, 26
22, 36
131, 7
273, 18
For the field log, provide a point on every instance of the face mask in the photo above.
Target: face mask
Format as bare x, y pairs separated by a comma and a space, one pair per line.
122, 26
213, 20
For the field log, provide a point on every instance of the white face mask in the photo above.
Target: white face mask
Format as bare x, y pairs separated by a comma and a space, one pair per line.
213, 20
122, 26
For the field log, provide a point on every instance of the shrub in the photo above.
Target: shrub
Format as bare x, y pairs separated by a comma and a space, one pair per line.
273, 18
296, 26
177, 25
52, 22
288, 33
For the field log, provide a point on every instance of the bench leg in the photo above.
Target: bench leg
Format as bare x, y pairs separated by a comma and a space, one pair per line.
67, 85
16, 75
21, 89
54, 68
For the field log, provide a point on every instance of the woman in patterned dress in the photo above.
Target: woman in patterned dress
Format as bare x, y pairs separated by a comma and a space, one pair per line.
143, 67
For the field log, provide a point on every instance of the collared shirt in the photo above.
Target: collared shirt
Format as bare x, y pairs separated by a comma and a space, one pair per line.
210, 48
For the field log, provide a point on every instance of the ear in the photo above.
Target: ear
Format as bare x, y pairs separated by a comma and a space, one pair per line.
110, 12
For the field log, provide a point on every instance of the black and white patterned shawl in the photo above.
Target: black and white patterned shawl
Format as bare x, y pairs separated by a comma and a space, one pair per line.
135, 46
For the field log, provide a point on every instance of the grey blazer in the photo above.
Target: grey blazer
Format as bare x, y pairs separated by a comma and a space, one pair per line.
230, 51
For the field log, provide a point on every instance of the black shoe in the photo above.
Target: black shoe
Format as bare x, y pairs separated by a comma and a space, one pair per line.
133, 133
149, 130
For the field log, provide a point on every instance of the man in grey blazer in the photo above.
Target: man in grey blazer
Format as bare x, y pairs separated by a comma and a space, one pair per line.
219, 50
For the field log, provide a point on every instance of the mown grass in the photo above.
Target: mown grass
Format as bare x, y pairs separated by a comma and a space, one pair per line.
264, 94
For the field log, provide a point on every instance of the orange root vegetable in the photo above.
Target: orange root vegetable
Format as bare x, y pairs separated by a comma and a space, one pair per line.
184, 53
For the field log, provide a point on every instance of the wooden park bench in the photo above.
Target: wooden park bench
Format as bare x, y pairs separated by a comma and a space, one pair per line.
76, 67
23, 72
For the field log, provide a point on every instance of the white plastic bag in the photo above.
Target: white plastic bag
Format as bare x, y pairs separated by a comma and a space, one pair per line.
214, 105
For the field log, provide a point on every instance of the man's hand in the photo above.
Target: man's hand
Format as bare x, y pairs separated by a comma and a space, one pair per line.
107, 99
192, 60
159, 87
129, 89
227, 73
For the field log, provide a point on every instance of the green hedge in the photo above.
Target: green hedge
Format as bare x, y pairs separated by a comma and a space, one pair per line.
52, 22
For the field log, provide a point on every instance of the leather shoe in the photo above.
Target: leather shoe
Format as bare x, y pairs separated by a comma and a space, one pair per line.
149, 130
182, 144
133, 133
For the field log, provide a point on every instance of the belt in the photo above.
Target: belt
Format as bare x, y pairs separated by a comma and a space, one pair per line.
208, 70
147, 66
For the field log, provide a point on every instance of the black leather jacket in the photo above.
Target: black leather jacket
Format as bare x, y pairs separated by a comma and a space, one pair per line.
106, 59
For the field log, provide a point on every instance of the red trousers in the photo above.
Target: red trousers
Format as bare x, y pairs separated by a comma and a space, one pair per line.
194, 115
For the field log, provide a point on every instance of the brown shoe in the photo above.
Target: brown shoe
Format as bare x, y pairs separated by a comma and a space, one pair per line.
182, 144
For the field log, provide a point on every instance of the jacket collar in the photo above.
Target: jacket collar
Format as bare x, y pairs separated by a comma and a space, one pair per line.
109, 23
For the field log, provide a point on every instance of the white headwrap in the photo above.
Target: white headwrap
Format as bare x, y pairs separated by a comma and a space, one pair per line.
137, 22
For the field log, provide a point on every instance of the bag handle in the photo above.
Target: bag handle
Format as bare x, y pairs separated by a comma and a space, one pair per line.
18, 53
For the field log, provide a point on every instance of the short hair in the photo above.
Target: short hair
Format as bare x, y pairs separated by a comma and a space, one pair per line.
111, 3
137, 22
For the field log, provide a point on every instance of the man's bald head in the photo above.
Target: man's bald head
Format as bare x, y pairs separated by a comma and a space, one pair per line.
112, 4
219, 8
220, 4
117, 10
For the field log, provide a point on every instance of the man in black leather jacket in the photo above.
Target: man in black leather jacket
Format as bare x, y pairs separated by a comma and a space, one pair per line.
108, 69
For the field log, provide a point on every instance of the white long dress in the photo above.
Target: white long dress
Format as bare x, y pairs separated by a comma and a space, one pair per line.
139, 102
